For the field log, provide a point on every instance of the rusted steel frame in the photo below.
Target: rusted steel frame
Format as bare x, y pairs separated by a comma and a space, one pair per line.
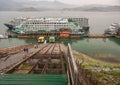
49, 50
46, 65
30, 70
62, 63
16, 65
46, 50
55, 56
56, 71
43, 56
61, 59
35, 64
59, 49
11, 68
53, 48
49, 59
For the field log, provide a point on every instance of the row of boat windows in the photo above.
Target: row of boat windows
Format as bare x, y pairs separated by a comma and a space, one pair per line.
31, 26
38, 21
47, 29
32, 29
37, 27
81, 22
43, 23
85, 22
32, 23
46, 24
50, 26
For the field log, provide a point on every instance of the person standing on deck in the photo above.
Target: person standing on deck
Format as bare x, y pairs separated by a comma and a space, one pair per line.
27, 50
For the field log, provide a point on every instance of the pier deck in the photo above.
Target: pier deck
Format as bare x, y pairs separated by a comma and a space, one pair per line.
49, 64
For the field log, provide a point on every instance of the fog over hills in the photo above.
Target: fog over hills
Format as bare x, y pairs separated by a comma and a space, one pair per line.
94, 7
8, 5
15, 5
47, 4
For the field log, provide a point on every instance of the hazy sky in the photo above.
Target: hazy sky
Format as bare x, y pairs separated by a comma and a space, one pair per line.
85, 2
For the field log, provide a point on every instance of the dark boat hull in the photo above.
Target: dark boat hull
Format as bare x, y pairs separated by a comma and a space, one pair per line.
9, 26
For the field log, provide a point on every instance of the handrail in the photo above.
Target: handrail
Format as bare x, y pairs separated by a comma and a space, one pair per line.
72, 66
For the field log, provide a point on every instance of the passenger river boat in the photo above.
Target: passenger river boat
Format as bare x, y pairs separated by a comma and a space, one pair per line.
30, 25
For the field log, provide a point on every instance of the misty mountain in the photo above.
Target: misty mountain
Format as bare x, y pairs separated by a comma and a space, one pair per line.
25, 5
35, 9
8, 5
47, 4
27, 9
103, 8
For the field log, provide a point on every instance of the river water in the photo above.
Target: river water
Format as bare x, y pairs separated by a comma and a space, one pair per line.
102, 49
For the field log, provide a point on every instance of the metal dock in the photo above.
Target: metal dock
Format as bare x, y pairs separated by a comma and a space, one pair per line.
42, 64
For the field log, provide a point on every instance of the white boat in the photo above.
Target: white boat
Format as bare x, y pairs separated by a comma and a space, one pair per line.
3, 36
28, 25
113, 29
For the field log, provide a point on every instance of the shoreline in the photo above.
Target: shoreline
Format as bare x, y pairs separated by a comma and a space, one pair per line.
103, 73
89, 59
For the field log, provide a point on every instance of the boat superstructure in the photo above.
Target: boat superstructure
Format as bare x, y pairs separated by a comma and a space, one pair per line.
25, 25
114, 29
15, 23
